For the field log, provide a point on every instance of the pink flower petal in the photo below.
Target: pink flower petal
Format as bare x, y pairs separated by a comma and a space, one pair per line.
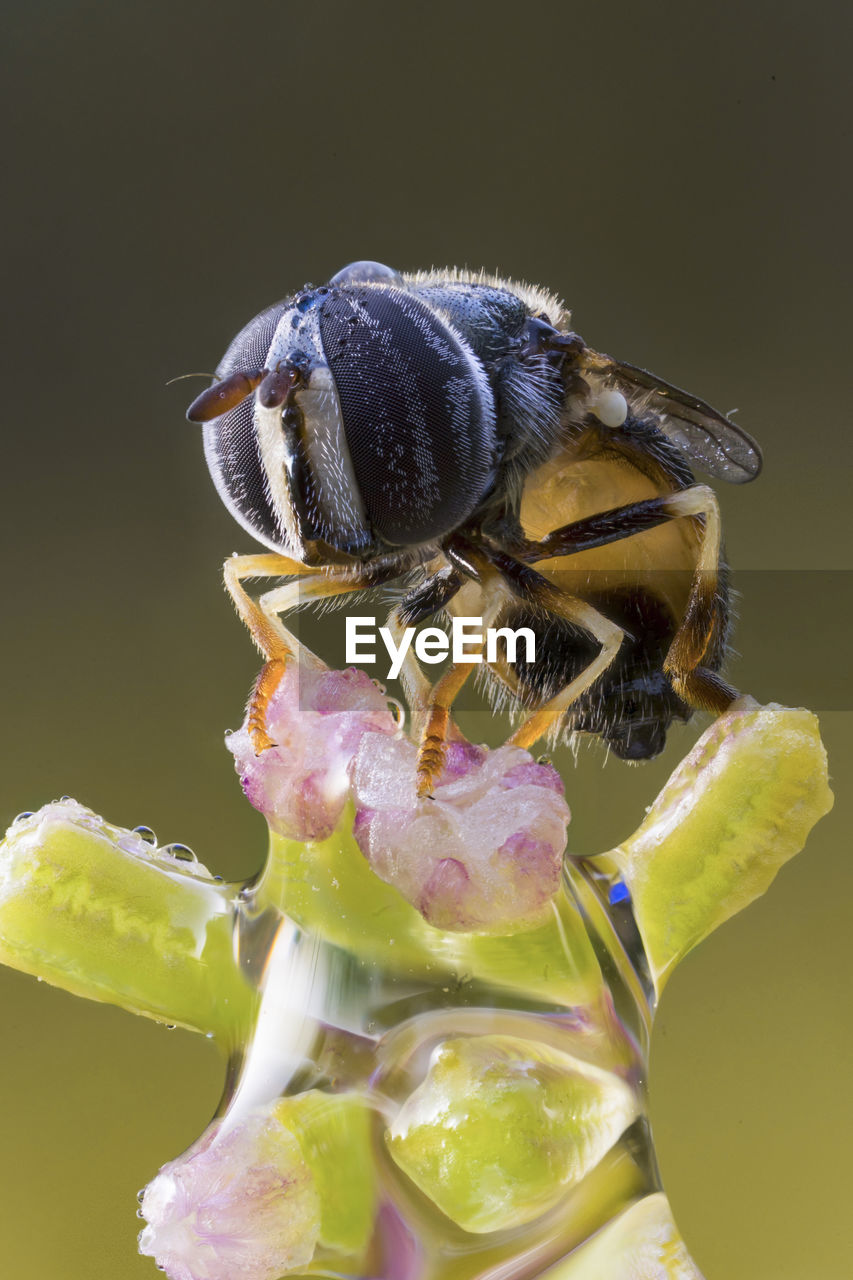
316, 718
242, 1203
484, 853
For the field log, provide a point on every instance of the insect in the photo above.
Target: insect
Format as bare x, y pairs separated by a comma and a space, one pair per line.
452, 430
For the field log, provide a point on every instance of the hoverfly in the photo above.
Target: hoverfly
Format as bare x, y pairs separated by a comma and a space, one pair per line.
454, 425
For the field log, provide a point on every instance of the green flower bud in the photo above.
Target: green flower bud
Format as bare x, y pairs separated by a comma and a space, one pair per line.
501, 1128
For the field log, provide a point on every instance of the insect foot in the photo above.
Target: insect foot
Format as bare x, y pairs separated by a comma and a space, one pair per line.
483, 853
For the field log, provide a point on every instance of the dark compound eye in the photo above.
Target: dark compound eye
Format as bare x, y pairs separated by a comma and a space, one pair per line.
417, 410
231, 442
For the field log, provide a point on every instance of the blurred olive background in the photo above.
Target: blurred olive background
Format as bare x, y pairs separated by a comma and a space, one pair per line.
680, 174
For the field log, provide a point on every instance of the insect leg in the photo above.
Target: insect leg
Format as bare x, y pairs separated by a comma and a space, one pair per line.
269, 635
528, 585
697, 685
602, 528
276, 642
608, 635
264, 628
440, 698
424, 600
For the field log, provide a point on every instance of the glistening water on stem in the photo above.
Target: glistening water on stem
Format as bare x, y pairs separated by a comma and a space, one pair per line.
437, 1032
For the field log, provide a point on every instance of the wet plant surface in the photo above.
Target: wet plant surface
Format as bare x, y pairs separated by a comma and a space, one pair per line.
437, 1025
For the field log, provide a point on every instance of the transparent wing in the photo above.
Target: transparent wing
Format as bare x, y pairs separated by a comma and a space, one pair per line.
712, 441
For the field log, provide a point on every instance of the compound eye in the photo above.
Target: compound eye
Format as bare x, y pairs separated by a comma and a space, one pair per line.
367, 272
417, 410
231, 441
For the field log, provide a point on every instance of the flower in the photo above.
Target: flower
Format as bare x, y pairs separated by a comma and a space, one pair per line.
241, 1202
317, 718
484, 853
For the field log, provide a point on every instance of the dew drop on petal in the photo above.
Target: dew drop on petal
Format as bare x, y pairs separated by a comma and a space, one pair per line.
182, 852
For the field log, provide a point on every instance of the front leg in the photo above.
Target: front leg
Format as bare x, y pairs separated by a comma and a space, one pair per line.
264, 628
278, 644
274, 642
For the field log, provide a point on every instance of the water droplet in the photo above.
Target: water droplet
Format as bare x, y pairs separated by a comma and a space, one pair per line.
398, 711
146, 834
62, 799
171, 1026
22, 817
219, 879
139, 1213
140, 1195
182, 852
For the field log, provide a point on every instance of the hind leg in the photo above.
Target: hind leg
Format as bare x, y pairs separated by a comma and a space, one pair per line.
704, 616
704, 619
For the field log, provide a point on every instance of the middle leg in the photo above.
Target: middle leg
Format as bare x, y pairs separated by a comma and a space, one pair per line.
532, 588
431, 705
